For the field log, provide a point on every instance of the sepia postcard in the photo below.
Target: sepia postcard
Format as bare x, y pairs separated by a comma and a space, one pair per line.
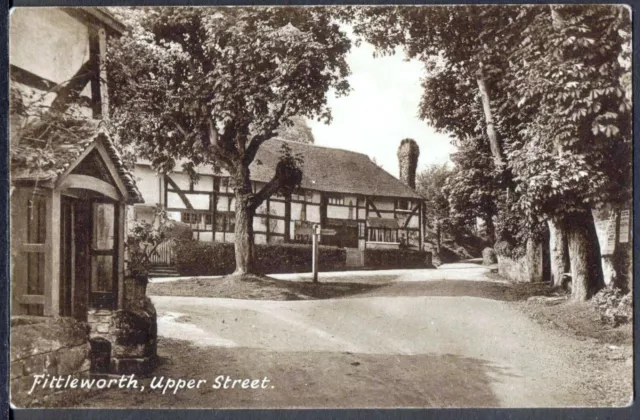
321, 206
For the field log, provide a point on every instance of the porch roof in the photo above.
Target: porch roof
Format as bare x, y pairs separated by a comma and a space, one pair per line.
45, 159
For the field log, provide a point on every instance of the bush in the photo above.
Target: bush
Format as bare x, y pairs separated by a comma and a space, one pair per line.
614, 306
489, 256
194, 258
179, 230
396, 258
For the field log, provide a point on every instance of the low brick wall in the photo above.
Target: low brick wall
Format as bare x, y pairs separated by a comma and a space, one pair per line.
55, 347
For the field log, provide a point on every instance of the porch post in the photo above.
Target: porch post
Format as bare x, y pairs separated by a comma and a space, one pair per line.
120, 225
52, 255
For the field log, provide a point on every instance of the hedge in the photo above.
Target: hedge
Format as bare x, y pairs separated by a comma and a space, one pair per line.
195, 258
397, 258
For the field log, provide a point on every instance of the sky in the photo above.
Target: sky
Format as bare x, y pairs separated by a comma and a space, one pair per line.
380, 111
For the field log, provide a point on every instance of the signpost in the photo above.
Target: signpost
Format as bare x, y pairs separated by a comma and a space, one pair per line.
316, 232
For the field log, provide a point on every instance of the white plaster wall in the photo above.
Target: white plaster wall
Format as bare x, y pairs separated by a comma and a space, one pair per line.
143, 213
198, 201
313, 213
174, 201
182, 180
414, 222
148, 182
383, 204
340, 212
206, 236
296, 211
277, 208
205, 183
315, 198
262, 208
260, 238
48, 42
278, 225
223, 203
258, 224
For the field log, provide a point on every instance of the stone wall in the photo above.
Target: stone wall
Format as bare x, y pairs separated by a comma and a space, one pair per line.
131, 335
513, 269
521, 265
46, 346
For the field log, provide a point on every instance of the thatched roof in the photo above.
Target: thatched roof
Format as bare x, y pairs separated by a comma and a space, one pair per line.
325, 169
332, 170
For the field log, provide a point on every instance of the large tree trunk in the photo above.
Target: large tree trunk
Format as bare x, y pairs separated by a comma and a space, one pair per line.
438, 237
494, 143
244, 223
490, 229
534, 260
244, 236
584, 253
557, 251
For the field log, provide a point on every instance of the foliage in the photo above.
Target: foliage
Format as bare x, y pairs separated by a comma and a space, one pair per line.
430, 184
507, 249
209, 85
558, 80
37, 130
613, 306
298, 130
217, 258
142, 243
396, 258
566, 78
489, 256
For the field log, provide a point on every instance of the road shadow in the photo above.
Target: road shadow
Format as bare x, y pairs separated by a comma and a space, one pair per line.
484, 289
314, 380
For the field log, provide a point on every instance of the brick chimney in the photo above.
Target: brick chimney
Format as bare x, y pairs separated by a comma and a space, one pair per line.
408, 153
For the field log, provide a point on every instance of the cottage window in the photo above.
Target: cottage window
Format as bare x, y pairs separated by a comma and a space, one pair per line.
103, 259
336, 199
382, 235
225, 222
403, 205
190, 218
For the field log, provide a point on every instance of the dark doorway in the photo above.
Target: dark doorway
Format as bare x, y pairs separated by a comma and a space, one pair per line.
82, 226
67, 257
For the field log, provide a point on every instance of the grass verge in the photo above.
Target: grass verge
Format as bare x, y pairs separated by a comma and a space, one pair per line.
259, 288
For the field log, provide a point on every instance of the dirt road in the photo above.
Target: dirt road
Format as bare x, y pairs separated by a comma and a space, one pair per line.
405, 344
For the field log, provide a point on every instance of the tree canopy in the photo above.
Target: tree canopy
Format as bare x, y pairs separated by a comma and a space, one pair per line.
210, 85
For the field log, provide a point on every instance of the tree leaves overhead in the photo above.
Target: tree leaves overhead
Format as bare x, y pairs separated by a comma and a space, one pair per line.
559, 81
202, 84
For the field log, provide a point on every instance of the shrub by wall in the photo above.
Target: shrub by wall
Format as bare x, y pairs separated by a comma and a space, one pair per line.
194, 258
397, 258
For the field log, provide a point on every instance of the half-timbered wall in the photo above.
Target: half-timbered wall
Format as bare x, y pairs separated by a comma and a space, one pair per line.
49, 43
208, 206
